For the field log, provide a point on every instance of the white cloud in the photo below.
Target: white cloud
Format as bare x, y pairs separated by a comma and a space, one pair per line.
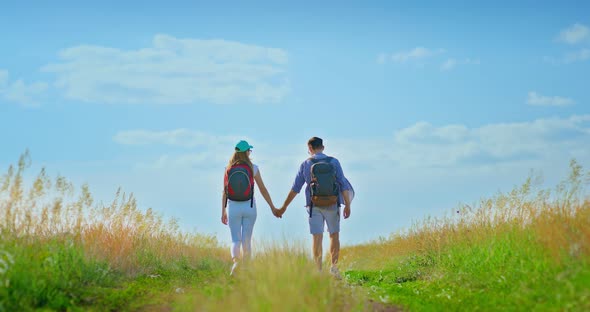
541, 100
382, 58
177, 137
451, 63
422, 145
173, 71
574, 34
569, 57
3, 77
458, 147
420, 54
577, 56
450, 163
20, 92
182, 161
206, 149
415, 54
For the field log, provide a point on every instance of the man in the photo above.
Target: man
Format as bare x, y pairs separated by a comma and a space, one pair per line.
326, 214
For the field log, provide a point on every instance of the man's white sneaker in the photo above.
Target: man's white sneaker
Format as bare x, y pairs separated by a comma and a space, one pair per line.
335, 272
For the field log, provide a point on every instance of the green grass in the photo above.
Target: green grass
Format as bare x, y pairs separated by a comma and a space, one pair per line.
280, 278
519, 251
56, 275
509, 271
48, 274
61, 251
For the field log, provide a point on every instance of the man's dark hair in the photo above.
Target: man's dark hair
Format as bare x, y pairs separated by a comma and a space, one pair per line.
315, 143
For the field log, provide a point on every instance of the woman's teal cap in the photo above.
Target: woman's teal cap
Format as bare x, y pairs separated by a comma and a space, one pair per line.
243, 146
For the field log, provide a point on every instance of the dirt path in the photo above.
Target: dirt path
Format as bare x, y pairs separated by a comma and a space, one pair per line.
383, 307
372, 305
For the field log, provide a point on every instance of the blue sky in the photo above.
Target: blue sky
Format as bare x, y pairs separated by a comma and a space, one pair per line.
426, 105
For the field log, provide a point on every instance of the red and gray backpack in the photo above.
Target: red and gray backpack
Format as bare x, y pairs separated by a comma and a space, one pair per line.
239, 183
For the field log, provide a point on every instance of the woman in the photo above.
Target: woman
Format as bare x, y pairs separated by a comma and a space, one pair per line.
240, 213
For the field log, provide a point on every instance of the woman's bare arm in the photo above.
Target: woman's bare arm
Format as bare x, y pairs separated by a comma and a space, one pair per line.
263, 190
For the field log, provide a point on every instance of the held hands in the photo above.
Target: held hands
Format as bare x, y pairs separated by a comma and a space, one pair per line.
282, 211
277, 212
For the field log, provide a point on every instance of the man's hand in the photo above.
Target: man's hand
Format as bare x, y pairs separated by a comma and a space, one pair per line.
276, 212
346, 211
224, 217
282, 211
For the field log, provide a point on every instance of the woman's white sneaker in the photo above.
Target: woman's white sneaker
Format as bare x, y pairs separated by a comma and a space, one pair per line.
233, 269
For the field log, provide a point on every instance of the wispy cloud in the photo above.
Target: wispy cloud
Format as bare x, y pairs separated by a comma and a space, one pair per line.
459, 147
422, 156
382, 58
574, 34
200, 149
569, 57
20, 92
173, 71
420, 55
577, 56
541, 100
421, 146
194, 148
3, 78
493, 143
177, 137
414, 55
182, 161
451, 63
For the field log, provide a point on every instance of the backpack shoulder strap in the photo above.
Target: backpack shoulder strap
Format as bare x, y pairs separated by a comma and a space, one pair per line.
316, 160
243, 165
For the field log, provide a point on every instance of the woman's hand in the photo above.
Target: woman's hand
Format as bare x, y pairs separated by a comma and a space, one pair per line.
276, 212
224, 217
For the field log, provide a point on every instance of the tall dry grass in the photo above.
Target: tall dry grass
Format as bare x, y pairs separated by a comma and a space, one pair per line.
281, 277
558, 219
129, 239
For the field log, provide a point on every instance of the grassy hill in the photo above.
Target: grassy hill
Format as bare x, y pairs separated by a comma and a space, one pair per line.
521, 251
62, 251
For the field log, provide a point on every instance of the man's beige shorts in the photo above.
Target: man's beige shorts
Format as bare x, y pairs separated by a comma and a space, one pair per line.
329, 216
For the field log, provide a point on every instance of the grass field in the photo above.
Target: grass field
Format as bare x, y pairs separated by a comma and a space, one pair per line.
62, 251
525, 250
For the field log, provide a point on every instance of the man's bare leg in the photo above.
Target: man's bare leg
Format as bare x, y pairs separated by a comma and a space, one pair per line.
335, 252
317, 250
334, 247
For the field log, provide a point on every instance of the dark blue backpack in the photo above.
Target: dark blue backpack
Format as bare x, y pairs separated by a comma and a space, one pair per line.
324, 186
